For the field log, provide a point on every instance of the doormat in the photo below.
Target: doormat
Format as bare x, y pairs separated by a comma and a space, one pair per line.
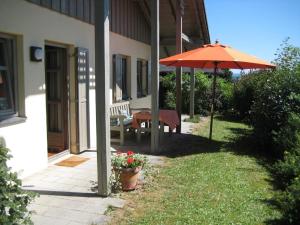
72, 161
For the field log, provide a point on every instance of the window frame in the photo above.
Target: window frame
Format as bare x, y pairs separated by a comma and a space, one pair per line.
12, 76
125, 73
139, 74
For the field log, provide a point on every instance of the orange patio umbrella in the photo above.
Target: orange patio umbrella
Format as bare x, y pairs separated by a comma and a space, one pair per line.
215, 56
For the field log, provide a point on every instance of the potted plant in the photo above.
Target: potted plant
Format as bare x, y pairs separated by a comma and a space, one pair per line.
128, 166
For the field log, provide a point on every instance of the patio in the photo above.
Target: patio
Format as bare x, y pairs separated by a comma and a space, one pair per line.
68, 195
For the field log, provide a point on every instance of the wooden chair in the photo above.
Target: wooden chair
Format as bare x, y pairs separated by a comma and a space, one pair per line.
120, 119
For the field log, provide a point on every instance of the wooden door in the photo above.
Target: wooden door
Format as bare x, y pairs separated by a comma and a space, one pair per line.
83, 98
56, 98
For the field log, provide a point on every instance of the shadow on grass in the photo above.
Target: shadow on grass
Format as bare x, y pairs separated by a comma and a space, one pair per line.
175, 145
228, 118
188, 144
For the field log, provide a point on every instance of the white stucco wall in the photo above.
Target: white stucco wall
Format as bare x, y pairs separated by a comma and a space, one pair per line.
35, 25
134, 50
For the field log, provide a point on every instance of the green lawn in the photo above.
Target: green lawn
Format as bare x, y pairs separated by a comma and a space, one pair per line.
215, 185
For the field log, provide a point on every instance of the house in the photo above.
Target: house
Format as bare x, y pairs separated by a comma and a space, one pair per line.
47, 69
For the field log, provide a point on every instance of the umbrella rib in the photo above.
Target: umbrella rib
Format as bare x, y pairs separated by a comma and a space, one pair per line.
241, 68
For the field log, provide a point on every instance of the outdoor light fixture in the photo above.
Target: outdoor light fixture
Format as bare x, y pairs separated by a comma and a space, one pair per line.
36, 54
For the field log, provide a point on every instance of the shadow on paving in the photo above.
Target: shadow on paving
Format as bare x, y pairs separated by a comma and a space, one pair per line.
66, 193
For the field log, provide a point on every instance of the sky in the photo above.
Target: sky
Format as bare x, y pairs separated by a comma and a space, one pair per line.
256, 27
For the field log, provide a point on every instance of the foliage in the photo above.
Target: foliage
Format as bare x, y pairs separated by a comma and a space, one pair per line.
224, 94
285, 171
244, 92
288, 56
274, 102
203, 93
226, 74
289, 203
128, 160
13, 200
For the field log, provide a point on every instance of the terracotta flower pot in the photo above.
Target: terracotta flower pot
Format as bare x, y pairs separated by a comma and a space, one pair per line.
129, 178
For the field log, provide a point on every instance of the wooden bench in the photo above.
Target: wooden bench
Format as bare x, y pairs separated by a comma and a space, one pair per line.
119, 120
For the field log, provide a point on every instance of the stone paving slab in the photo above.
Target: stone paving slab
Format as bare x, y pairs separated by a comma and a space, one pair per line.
67, 195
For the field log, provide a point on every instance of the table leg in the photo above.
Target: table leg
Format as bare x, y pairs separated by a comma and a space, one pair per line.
138, 134
161, 129
170, 131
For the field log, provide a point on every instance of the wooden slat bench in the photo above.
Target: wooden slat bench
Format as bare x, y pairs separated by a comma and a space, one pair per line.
121, 119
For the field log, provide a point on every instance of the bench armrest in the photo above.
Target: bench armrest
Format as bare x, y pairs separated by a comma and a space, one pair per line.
121, 117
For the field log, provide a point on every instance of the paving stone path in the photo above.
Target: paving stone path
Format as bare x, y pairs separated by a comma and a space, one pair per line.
67, 195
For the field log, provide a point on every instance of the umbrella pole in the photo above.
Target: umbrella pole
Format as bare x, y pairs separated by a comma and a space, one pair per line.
213, 101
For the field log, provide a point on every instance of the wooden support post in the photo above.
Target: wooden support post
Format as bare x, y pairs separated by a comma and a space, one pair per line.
192, 93
212, 111
102, 71
179, 13
154, 75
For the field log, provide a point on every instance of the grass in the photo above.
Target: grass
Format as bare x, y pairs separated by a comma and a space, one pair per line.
218, 184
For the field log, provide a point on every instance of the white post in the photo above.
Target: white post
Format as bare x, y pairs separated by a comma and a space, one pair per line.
102, 71
154, 75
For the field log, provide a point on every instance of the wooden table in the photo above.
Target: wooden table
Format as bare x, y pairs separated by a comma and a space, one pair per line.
166, 117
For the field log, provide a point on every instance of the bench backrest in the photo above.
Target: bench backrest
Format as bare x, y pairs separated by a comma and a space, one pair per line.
115, 108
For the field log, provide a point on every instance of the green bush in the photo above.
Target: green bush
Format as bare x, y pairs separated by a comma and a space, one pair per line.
13, 200
287, 169
288, 202
203, 93
268, 98
244, 92
274, 101
225, 89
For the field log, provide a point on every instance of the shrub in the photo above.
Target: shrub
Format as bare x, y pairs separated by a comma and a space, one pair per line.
287, 169
225, 89
13, 200
276, 97
244, 92
203, 93
288, 202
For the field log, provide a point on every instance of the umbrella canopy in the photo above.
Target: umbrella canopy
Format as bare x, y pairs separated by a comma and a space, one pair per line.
216, 56
207, 55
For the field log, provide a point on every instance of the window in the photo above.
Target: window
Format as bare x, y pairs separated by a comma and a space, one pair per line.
121, 82
8, 103
142, 78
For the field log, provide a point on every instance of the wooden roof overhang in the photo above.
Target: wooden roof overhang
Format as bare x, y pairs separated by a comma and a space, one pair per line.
194, 29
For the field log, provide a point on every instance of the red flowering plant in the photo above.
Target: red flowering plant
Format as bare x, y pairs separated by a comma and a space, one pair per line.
128, 160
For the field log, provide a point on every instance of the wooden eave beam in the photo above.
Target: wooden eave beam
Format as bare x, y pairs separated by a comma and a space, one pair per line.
146, 11
198, 18
173, 9
168, 41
